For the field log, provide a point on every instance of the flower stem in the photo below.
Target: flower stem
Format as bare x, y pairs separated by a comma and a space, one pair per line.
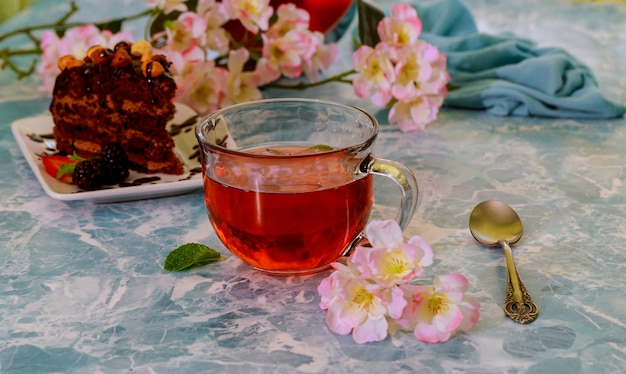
340, 78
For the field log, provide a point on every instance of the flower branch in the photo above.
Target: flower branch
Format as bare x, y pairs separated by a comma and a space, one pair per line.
339, 78
222, 53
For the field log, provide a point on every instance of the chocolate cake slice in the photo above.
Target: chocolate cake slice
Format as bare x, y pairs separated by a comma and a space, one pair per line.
122, 96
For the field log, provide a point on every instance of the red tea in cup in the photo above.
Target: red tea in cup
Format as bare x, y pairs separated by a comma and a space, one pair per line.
294, 222
288, 183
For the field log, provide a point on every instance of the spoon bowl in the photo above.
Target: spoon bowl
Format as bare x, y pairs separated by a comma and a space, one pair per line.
494, 223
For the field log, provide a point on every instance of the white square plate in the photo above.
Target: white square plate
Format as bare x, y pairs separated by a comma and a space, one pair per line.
34, 137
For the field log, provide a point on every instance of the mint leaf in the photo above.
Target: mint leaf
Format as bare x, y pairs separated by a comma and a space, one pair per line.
318, 148
188, 255
66, 169
76, 157
369, 17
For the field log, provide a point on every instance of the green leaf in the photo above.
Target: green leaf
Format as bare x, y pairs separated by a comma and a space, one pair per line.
188, 255
66, 169
369, 17
76, 157
318, 148
276, 152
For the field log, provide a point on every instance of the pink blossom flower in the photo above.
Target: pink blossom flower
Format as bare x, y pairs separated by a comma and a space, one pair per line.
435, 313
287, 53
288, 18
376, 285
375, 72
182, 60
205, 6
214, 17
76, 41
201, 85
186, 32
169, 6
402, 27
253, 14
404, 69
292, 49
185, 38
323, 57
266, 72
420, 70
356, 306
416, 113
390, 261
240, 86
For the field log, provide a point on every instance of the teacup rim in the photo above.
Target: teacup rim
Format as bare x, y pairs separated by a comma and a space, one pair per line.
351, 148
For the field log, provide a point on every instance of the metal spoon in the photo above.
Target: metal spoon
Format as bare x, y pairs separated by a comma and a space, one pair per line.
495, 223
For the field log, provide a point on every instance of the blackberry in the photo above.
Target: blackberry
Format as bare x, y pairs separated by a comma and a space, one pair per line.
116, 163
89, 174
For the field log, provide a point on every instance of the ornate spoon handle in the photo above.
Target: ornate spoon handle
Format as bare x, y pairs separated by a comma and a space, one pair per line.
518, 306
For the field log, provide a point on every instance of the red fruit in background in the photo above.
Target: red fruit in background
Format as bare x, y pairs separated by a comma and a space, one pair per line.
325, 14
53, 164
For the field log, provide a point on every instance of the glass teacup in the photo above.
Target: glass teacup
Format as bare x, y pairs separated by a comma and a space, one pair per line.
288, 183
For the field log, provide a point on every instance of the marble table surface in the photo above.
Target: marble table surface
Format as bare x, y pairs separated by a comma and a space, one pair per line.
83, 290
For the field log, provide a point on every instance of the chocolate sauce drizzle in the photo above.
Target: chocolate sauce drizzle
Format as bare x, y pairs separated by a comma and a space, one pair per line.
47, 140
175, 129
40, 138
196, 153
140, 181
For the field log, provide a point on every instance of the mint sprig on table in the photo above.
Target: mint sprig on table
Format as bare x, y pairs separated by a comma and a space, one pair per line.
190, 255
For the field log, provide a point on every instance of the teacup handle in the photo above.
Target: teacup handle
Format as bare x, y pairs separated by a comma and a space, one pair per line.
403, 177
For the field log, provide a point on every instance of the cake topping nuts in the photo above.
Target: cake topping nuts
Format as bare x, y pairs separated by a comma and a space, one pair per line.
101, 55
152, 69
93, 49
146, 57
121, 55
140, 48
69, 61
122, 45
121, 58
162, 59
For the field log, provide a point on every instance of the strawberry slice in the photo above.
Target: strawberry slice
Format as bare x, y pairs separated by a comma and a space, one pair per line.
59, 167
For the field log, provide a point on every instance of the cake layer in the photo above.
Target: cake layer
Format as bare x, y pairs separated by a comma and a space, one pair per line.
96, 102
94, 91
146, 153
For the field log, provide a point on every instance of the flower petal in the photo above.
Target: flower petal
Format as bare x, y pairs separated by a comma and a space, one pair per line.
370, 331
430, 334
385, 233
336, 324
398, 303
452, 282
425, 252
470, 307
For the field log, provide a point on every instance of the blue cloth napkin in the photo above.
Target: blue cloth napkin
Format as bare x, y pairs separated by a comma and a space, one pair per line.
508, 75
